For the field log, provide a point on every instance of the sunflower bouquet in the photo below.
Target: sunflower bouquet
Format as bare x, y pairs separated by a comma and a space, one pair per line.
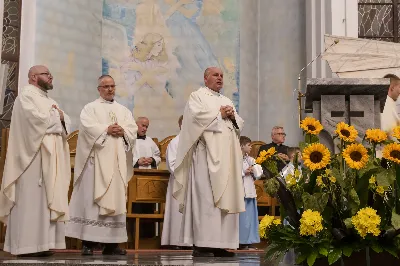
339, 204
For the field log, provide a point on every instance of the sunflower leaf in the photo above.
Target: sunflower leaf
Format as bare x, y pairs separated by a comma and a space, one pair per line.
395, 220
354, 201
315, 202
386, 178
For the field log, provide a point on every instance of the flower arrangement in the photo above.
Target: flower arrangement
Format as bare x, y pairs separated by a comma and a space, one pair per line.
335, 205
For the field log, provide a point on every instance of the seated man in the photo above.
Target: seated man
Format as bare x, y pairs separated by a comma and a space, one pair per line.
146, 154
278, 138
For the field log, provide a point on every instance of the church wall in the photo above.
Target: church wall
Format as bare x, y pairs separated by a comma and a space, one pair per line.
282, 55
67, 37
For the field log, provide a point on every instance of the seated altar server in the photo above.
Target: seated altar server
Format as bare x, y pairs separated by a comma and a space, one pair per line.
146, 154
37, 172
172, 217
248, 220
208, 170
390, 117
103, 168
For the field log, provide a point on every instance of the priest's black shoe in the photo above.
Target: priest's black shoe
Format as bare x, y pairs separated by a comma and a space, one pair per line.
202, 252
38, 254
86, 251
222, 253
111, 249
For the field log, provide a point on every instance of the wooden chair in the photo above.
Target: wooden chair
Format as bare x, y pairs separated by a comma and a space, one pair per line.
255, 147
146, 186
4, 144
72, 140
163, 145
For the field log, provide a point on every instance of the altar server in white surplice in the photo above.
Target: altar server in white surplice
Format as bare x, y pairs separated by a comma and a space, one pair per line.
103, 168
208, 170
146, 154
390, 118
172, 218
34, 190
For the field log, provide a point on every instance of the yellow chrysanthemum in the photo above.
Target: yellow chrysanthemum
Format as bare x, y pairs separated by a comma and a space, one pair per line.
380, 190
366, 221
266, 222
263, 153
290, 180
345, 132
332, 179
391, 152
328, 171
316, 156
372, 180
375, 135
320, 182
356, 156
310, 223
396, 132
311, 125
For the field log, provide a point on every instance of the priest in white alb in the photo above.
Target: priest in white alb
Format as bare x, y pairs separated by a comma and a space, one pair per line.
208, 170
146, 154
34, 189
390, 117
103, 168
172, 218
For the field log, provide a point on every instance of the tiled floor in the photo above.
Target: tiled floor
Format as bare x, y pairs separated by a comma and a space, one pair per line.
152, 257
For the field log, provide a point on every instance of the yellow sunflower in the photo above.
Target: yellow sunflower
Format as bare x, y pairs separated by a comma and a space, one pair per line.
345, 132
356, 156
375, 135
396, 132
391, 152
311, 125
316, 156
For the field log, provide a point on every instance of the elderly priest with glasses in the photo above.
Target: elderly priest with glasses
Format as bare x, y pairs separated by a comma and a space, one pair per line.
103, 168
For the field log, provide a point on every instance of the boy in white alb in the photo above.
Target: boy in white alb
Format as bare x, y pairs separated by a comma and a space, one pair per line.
248, 220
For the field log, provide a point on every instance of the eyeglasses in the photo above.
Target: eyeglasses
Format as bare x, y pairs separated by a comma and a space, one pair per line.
281, 134
107, 87
48, 74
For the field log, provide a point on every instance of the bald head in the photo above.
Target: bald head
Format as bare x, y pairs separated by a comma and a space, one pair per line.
143, 124
214, 78
40, 77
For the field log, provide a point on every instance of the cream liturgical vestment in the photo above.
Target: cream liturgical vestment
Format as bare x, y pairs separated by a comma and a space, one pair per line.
389, 117
208, 173
103, 168
34, 190
172, 218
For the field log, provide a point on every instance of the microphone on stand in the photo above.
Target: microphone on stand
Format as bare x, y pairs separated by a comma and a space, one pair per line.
299, 93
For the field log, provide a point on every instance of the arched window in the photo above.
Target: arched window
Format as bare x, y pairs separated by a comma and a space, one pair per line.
379, 20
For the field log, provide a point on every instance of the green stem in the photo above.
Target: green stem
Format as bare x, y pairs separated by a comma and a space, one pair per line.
374, 150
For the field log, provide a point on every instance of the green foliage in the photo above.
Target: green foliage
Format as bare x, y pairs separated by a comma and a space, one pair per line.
271, 186
315, 202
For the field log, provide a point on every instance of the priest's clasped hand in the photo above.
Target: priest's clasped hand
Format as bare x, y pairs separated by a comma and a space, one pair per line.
143, 161
59, 111
115, 130
227, 112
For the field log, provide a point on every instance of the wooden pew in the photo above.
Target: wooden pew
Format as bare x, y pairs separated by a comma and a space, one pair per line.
146, 186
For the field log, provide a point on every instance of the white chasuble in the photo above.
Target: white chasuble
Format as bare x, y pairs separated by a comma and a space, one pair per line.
208, 173
202, 122
389, 117
34, 190
112, 156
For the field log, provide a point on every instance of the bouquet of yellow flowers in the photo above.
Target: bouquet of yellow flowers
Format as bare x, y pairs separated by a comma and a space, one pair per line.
338, 205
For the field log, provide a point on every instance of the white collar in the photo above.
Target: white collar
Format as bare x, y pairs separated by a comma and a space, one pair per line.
102, 100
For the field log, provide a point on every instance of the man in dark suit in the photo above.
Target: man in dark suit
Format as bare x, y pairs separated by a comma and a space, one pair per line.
278, 138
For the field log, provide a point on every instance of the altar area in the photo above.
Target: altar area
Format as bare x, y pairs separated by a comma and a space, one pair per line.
146, 186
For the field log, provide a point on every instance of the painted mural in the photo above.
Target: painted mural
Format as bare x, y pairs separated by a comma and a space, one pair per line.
157, 51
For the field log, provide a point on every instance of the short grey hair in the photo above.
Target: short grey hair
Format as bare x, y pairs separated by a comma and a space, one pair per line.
274, 129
